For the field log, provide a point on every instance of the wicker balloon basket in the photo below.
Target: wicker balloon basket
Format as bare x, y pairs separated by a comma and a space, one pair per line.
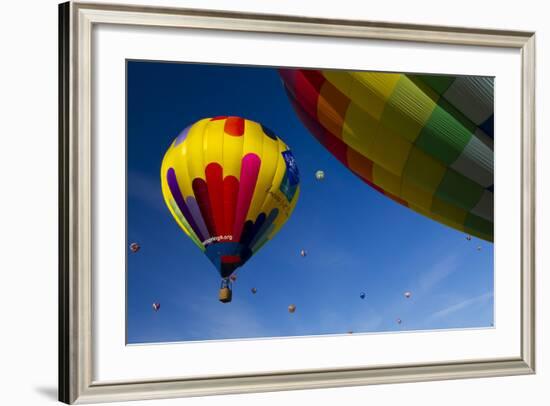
225, 295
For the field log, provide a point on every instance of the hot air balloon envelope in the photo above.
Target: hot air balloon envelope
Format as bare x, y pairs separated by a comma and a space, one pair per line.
230, 183
425, 141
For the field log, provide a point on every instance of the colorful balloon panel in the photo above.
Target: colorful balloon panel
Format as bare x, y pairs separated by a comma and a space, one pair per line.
424, 141
230, 183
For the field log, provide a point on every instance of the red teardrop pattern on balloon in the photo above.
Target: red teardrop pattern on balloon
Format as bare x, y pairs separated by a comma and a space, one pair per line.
214, 181
250, 168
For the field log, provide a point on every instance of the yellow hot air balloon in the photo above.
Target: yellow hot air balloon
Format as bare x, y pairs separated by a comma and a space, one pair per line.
230, 183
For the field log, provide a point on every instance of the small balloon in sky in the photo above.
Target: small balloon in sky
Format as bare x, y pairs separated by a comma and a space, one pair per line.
134, 247
253, 290
303, 253
407, 294
291, 308
479, 247
233, 277
469, 237
398, 321
156, 306
362, 295
319, 175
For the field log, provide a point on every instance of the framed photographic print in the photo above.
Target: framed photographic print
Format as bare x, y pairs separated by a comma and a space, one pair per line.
259, 202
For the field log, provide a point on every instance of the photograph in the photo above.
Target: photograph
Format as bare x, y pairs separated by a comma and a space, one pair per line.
270, 202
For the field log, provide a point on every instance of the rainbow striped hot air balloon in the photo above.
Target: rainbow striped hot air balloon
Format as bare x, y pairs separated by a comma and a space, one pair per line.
425, 141
230, 183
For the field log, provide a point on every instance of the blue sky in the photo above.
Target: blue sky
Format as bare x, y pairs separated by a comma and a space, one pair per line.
357, 240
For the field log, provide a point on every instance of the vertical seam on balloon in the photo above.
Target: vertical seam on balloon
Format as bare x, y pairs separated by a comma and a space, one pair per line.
261, 206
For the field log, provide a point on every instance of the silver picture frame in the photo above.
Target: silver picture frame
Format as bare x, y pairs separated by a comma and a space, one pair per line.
76, 20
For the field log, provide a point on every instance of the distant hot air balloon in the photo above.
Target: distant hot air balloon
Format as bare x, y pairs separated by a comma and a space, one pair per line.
469, 238
253, 290
398, 321
407, 294
233, 277
230, 184
156, 306
303, 253
319, 175
362, 295
425, 141
134, 247
479, 248
291, 308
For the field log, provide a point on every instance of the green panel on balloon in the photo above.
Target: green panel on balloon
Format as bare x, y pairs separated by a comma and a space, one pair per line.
438, 83
459, 190
449, 214
478, 224
461, 118
423, 170
443, 136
